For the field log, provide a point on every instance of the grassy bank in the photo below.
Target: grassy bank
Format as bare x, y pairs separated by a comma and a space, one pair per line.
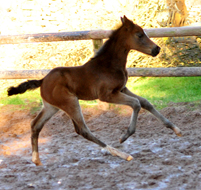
159, 91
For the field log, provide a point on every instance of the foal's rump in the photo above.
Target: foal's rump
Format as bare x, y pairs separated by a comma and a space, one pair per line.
28, 85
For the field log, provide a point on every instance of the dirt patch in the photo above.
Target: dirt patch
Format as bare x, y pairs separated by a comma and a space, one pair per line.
161, 159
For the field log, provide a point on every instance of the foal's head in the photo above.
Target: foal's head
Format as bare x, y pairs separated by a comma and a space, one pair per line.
137, 39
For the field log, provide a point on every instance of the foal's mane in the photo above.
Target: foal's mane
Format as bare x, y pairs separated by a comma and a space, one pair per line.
108, 43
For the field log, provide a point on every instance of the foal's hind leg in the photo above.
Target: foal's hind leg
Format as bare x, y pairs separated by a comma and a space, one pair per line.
148, 106
36, 126
72, 108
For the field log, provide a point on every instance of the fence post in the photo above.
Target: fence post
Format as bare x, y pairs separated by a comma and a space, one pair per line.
97, 44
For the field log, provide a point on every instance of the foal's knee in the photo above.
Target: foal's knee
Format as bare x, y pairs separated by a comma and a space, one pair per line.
136, 105
83, 131
36, 127
36, 120
77, 128
146, 104
33, 124
33, 127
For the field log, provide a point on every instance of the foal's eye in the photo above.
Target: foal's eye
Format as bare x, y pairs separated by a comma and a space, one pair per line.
139, 35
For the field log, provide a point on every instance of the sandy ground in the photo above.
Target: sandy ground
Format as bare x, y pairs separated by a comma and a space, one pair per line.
161, 159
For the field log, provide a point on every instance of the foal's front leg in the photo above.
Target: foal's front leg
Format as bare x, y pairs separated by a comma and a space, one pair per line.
148, 106
124, 99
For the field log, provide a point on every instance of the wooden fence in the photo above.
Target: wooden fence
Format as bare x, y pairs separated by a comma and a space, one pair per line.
97, 36
132, 72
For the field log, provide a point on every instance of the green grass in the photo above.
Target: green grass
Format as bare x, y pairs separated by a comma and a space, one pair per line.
21, 99
159, 91
30, 100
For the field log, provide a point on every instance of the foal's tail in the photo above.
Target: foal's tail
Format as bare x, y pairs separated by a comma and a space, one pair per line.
23, 87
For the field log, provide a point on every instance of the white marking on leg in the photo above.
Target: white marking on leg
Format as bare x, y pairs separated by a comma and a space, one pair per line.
116, 152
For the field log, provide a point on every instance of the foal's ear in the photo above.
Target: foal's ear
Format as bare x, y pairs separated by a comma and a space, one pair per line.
125, 21
122, 20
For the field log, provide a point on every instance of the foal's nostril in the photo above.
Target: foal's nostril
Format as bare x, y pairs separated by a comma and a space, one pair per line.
155, 51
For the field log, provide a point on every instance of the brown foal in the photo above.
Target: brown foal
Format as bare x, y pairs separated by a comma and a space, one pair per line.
103, 77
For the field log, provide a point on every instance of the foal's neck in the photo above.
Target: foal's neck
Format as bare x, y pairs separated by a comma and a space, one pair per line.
114, 52
119, 53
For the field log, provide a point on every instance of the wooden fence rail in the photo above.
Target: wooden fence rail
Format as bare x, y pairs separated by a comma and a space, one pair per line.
96, 34
132, 72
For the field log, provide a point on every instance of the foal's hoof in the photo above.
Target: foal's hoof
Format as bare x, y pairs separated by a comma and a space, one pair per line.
177, 131
123, 138
37, 163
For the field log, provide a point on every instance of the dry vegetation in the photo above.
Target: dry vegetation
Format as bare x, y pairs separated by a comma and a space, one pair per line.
36, 16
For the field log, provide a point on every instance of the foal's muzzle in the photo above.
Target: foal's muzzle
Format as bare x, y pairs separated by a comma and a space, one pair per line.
155, 51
